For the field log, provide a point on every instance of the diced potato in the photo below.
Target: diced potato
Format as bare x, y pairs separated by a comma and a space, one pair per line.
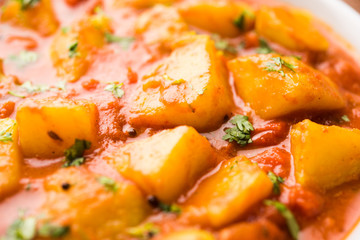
166, 164
161, 25
49, 126
92, 210
325, 156
292, 28
188, 88
262, 230
10, 157
39, 17
141, 3
227, 18
273, 94
228, 194
189, 234
84, 38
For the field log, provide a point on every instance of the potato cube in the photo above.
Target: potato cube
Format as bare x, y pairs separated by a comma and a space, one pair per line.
325, 156
189, 234
49, 126
166, 164
161, 25
94, 207
140, 3
228, 194
39, 17
10, 157
275, 86
188, 88
292, 28
224, 17
71, 50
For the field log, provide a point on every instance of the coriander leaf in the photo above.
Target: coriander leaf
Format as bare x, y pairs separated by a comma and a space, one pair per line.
144, 231
73, 48
223, 45
30, 88
264, 47
115, 89
24, 58
241, 132
240, 21
21, 229
74, 154
16, 94
124, 42
277, 64
345, 118
53, 231
169, 208
65, 30
276, 180
109, 183
5, 135
287, 214
26, 4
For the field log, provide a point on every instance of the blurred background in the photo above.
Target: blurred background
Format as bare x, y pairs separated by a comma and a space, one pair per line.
354, 3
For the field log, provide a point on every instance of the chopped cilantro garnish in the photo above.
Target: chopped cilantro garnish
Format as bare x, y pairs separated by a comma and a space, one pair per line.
240, 21
16, 94
345, 118
5, 135
276, 180
53, 231
169, 208
109, 183
124, 42
65, 30
241, 132
144, 231
24, 58
264, 47
74, 154
21, 229
115, 89
73, 48
223, 45
30, 88
26, 4
277, 64
287, 214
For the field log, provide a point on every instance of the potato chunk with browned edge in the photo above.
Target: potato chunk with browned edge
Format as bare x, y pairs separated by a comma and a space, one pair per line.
140, 3
188, 88
38, 16
10, 157
161, 25
228, 194
189, 234
94, 207
275, 86
292, 28
49, 126
227, 18
325, 156
166, 164
72, 49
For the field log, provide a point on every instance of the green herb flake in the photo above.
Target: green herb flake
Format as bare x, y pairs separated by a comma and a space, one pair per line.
24, 58
223, 45
115, 89
26, 4
30, 88
277, 64
240, 21
65, 30
109, 183
241, 132
124, 42
5, 135
345, 118
21, 229
16, 94
264, 47
145, 231
73, 49
53, 231
170, 208
276, 180
74, 154
287, 214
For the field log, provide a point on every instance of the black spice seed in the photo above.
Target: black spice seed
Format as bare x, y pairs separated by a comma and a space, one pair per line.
153, 201
54, 136
65, 186
132, 132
